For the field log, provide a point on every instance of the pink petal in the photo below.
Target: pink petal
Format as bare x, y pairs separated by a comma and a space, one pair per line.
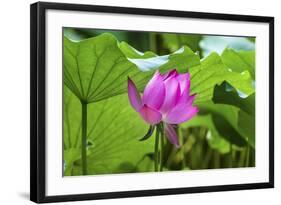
181, 113
154, 92
150, 115
170, 73
190, 100
171, 134
134, 96
184, 81
172, 90
185, 99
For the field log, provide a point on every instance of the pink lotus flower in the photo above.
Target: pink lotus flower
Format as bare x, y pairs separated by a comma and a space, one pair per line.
166, 98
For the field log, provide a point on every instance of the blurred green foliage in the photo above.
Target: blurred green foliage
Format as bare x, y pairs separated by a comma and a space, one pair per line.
96, 66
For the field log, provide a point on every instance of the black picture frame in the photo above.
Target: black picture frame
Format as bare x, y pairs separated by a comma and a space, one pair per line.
38, 101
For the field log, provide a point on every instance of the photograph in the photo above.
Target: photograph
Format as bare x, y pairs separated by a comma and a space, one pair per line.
135, 102
145, 101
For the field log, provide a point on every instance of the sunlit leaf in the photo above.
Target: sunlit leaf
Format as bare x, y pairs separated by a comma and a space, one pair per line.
176, 41
239, 61
70, 156
113, 138
96, 68
181, 59
133, 53
213, 72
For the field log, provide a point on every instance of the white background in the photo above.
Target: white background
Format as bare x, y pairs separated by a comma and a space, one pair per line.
14, 103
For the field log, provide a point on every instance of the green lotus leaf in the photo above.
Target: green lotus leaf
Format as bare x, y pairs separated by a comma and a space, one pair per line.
112, 136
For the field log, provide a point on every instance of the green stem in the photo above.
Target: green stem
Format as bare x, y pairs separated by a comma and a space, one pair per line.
156, 149
207, 159
180, 134
230, 155
242, 154
153, 42
217, 159
162, 147
247, 163
84, 138
171, 157
179, 41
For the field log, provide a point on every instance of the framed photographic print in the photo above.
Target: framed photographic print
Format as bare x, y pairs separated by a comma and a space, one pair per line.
129, 102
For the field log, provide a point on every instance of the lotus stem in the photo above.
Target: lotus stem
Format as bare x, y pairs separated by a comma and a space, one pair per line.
247, 163
230, 155
84, 138
162, 147
156, 150
153, 42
